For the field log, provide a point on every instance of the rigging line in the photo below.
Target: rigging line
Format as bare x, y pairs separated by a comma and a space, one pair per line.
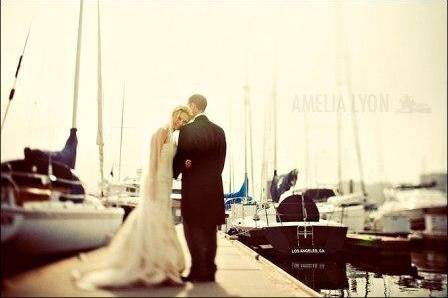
379, 138
13, 89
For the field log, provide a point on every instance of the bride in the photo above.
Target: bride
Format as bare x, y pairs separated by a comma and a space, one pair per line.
146, 249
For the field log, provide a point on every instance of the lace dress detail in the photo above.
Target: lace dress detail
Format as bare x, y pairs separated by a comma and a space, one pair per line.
146, 248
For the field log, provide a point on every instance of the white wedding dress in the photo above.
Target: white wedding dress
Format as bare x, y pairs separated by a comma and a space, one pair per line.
146, 249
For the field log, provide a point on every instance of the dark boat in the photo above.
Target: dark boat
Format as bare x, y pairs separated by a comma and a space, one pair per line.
291, 228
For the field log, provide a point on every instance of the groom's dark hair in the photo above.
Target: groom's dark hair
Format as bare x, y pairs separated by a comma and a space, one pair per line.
199, 101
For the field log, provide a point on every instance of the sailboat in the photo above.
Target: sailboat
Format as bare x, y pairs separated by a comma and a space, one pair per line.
239, 203
350, 209
291, 227
239, 197
45, 208
125, 192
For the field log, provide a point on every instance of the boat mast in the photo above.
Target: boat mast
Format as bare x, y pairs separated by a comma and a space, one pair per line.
339, 57
263, 176
99, 139
346, 71
247, 125
246, 103
230, 173
13, 89
121, 133
307, 163
78, 53
272, 127
274, 107
339, 151
250, 147
357, 145
229, 144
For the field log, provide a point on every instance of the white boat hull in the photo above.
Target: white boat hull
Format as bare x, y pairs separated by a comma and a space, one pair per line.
56, 231
346, 209
354, 217
393, 224
436, 223
404, 211
124, 200
10, 225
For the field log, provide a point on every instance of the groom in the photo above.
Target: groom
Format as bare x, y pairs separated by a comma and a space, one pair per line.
200, 158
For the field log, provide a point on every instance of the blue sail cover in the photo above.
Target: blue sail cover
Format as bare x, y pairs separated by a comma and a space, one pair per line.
237, 197
66, 156
283, 183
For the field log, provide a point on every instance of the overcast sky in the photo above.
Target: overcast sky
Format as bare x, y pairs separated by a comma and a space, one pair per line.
386, 54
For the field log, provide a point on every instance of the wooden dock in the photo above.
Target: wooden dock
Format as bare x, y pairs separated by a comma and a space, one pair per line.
241, 272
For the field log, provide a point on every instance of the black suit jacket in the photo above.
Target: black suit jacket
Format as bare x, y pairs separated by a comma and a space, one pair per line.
204, 143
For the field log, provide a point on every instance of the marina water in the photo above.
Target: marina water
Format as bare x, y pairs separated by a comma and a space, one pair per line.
417, 274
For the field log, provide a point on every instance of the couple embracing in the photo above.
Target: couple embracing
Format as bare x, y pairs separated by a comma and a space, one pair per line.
146, 249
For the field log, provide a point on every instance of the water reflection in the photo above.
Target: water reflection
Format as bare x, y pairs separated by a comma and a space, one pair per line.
397, 265
418, 274
330, 275
430, 261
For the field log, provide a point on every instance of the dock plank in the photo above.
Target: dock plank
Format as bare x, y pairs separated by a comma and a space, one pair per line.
239, 274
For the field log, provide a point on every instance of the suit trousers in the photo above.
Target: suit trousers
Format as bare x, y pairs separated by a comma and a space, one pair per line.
202, 244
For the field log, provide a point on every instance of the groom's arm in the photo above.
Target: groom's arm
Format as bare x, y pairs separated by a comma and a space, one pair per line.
178, 161
222, 150
176, 168
177, 164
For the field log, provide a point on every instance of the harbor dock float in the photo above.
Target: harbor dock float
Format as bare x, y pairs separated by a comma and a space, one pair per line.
376, 244
241, 272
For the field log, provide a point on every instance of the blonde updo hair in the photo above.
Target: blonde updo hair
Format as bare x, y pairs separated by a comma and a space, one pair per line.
179, 110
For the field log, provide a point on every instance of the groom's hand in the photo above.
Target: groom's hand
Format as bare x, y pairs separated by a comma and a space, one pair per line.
187, 163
